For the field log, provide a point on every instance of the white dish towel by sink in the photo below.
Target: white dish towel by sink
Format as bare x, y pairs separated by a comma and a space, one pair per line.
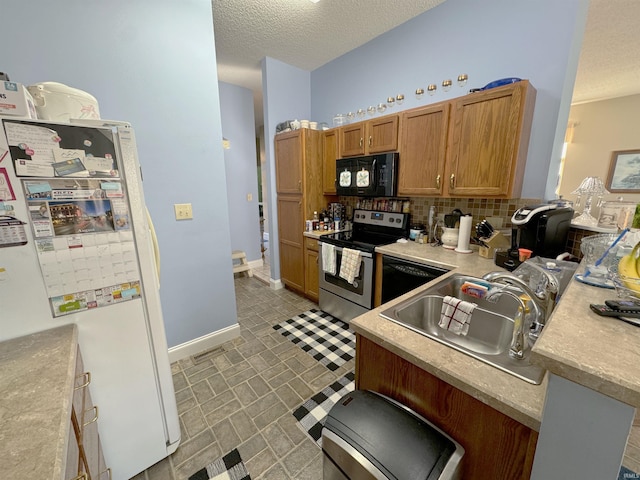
350, 264
329, 258
456, 315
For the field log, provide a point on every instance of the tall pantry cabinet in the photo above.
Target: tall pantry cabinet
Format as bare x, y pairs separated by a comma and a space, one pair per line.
298, 158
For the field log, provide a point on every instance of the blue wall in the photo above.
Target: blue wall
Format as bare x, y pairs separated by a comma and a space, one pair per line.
487, 40
287, 96
151, 63
238, 126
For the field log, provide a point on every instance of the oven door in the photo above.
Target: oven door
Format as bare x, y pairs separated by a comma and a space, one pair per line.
360, 291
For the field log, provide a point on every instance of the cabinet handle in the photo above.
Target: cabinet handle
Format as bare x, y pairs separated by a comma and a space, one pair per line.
87, 375
438, 182
361, 141
95, 418
452, 181
108, 470
299, 185
370, 140
82, 476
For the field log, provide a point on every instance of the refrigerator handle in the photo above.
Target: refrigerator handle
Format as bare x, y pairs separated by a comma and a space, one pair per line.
156, 248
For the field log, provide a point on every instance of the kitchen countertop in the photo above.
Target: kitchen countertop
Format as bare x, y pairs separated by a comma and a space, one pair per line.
515, 398
600, 353
319, 233
36, 381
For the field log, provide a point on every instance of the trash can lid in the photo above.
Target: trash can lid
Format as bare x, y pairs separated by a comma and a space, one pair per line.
397, 442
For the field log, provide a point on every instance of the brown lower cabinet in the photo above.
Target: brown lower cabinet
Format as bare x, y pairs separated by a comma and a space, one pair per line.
496, 446
85, 460
311, 283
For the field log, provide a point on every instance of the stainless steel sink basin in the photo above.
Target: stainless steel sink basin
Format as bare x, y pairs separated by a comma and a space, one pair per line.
490, 329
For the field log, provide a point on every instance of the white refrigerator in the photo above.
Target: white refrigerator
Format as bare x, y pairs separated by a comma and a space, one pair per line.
77, 246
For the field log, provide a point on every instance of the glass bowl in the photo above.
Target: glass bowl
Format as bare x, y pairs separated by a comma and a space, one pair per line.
626, 286
593, 248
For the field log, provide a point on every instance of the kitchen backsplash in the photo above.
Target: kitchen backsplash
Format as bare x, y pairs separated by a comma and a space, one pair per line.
479, 208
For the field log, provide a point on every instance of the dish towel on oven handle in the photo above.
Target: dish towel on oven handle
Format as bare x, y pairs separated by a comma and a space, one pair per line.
350, 264
456, 315
329, 258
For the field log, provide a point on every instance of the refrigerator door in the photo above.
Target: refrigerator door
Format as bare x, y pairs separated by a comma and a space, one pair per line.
89, 259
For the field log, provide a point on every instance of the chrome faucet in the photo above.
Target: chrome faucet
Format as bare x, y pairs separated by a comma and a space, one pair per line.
516, 349
544, 300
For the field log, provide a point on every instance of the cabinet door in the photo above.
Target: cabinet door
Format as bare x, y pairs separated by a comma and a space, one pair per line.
84, 420
289, 167
422, 150
489, 141
311, 269
382, 134
329, 155
72, 467
90, 440
290, 228
497, 447
352, 140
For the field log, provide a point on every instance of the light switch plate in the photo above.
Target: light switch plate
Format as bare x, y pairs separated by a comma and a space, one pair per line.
249, 197
183, 211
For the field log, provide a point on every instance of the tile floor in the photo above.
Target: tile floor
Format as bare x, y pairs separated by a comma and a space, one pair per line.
242, 395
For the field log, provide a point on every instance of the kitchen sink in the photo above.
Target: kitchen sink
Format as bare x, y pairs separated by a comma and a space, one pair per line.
490, 329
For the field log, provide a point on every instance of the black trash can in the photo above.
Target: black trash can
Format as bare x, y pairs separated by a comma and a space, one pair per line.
369, 436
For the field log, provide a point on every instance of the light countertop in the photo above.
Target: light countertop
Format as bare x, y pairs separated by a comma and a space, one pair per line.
515, 398
600, 353
36, 380
319, 233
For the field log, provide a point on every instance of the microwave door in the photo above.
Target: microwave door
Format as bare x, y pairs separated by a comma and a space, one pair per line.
345, 177
365, 176
386, 178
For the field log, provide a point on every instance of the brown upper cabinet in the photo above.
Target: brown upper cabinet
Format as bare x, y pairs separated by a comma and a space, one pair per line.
488, 142
330, 153
369, 137
423, 147
290, 155
472, 146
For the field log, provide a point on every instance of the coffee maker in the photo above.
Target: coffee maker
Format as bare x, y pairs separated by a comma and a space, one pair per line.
543, 229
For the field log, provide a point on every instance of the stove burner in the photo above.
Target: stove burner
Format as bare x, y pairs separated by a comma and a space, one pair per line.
371, 229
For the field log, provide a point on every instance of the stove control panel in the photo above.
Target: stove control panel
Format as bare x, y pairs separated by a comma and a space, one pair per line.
385, 219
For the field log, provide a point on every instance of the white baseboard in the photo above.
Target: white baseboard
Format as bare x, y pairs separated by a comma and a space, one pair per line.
276, 284
206, 342
256, 263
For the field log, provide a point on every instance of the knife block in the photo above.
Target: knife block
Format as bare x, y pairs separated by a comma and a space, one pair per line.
493, 243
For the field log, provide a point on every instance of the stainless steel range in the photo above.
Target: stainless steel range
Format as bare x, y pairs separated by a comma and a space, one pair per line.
346, 300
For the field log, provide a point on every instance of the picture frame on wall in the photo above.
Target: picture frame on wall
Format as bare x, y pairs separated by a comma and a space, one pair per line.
624, 172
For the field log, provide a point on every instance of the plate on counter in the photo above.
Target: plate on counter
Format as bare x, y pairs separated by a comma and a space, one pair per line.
595, 281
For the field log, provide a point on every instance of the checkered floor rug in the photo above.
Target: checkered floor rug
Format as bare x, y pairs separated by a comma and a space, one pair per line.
324, 337
229, 467
312, 413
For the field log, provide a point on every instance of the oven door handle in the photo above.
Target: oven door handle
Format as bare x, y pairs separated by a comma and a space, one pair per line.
339, 250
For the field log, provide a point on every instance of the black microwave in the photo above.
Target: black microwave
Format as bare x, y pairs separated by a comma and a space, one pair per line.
370, 176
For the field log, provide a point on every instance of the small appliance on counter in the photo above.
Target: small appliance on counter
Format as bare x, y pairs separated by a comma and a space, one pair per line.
542, 229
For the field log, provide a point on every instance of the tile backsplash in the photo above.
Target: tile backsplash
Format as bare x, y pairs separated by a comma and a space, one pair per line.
479, 208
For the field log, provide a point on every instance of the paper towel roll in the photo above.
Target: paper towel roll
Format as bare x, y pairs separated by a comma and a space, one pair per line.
465, 234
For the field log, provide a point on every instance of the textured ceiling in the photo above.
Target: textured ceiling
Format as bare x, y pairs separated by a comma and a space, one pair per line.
308, 35
609, 64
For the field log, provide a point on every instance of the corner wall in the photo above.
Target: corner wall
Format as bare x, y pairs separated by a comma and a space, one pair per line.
487, 40
138, 60
601, 128
238, 127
